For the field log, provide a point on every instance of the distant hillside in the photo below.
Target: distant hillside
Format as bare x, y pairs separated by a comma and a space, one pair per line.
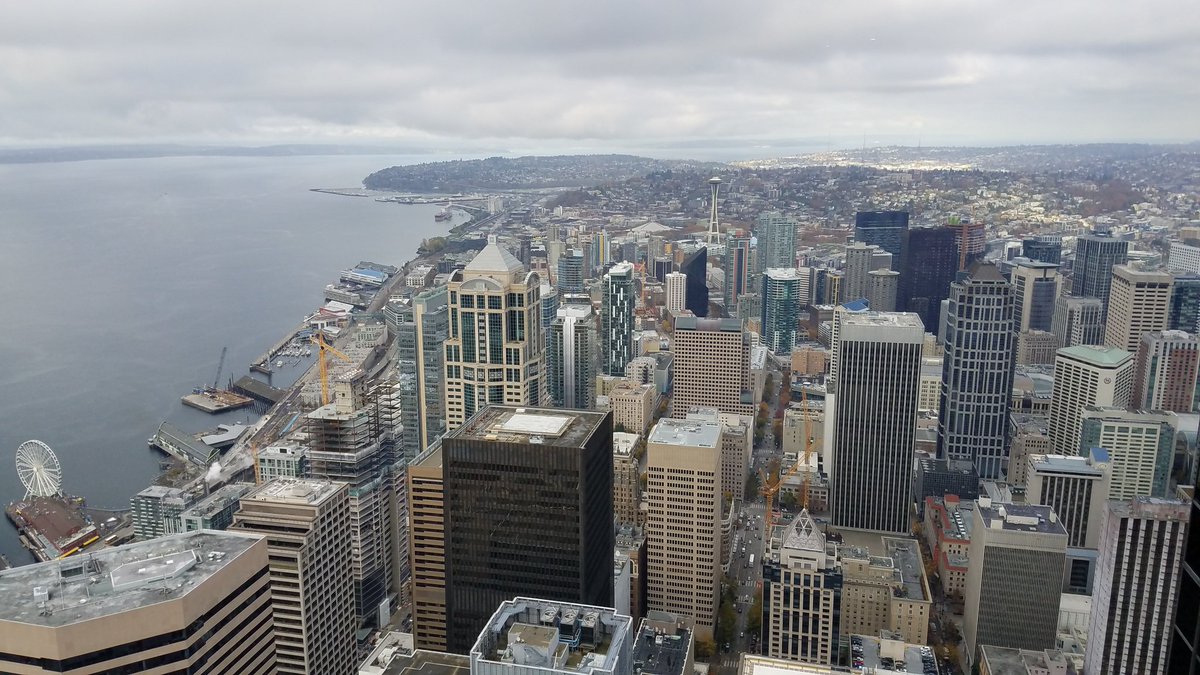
503, 173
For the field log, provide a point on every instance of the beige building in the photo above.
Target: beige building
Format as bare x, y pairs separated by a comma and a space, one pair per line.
626, 477
803, 603
1030, 436
711, 367
676, 283
1138, 303
809, 360
884, 587
193, 602
1036, 347
1086, 376
426, 549
737, 440
633, 406
683, 529
306, 526
496, 348
929, 395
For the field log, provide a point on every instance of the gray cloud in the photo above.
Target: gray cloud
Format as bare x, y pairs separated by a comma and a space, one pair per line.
564, 74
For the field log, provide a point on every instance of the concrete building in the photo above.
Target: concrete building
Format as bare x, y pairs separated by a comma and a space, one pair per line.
214, 512
930, 391
633, 406
1086, 376
1036, 347
1140, 445
977, 376
711, 367
665, 644
676, 285
780, 309
1017, 553
427, 548
616, 319
1030, 435
1078, 321
737, 443
1166, 370
191, 602
1183, 258
1012, 661
1036, 287
552, 537
860, 261
627, 476
1139, 302
156, 511
884, 587
874, 420
495, 335
282, 461
1092, 271
552, 637
1137, 587
802, 597
572, 357
1076, 488
776, 237
306, 524
883, 288
1185, 628
683, 527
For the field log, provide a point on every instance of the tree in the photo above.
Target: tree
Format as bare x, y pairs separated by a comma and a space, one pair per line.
753, 483
754, 621
705, 648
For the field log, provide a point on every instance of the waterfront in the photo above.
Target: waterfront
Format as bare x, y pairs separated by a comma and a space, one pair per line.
123, 279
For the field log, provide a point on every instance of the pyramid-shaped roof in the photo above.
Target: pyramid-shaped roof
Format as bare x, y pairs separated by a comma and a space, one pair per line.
495, 258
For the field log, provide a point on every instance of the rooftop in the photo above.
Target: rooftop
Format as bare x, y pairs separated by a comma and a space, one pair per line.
394, 655
692, 433
895, 656
1019, 517
803, 534
294, 491
764, 665
508, 424
623, 443
218, 500
1009, 661
1072, 464
115, 580
709, 325
662, 645
494, 258
1096, 355
1155, 508
532, 633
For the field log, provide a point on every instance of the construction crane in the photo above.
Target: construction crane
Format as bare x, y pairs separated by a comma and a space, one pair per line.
220, 366
323, 348
771, 487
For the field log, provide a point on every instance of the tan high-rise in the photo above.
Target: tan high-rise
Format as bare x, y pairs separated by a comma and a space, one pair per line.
1085, 376
683, 530
1138, 303
626, 477
427, 549
711, 367
307, 527
195, 602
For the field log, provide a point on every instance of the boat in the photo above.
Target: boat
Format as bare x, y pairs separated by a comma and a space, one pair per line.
279, 364
443, 215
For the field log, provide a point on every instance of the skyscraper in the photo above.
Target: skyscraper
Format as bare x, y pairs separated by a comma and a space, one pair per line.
1166, 370
884, 229
420, 327
528, 511
1185, 628
1085, 376
1047, 249
875, 420
1035, 289
1138, 302
427, 548
1078, 321
695, 268
1091, 273
776, 240
802, 597
683, 529
1185, 304
711, 361
307, 527
616, 320
859, 263
1137, 587
572, 357
928, 265
737, 270
780, 309
882, 289
1140, 445
571, 273
977, 375
1076, 488
676, 292
495, 350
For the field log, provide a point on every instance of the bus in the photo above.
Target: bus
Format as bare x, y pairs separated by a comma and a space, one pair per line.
751, 563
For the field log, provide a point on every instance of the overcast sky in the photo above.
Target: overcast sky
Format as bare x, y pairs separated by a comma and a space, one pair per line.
542, 76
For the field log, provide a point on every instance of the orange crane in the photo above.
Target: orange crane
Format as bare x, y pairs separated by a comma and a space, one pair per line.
771, 486
323, 363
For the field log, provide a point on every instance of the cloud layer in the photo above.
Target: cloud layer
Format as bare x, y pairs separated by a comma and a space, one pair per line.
613, 73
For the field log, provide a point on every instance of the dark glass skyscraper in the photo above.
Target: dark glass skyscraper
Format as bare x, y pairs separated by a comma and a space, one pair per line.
695, 267
528, 512
1185, 304
737, 270
885, 229
1047, 249
928, 264
1091, 273
1185, 634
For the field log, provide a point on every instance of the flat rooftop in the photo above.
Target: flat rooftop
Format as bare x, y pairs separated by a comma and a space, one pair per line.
661, 645
1072, 464
692, 433
1020, 518
524, 632
294, 491
509, 424
884, 320
752, 664
901, 554
218, 500
918, 659
1009, 661
114, 580
1100, 356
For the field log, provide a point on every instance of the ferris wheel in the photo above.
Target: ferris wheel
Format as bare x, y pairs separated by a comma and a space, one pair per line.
39, 470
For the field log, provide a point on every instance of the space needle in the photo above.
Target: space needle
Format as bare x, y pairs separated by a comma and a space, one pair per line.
714, 227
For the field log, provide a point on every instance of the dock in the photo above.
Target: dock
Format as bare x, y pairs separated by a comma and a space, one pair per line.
263, 363
215, 401
258, 390
52, 527
173, 441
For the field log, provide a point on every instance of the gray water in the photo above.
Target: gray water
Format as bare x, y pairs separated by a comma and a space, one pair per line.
121, 280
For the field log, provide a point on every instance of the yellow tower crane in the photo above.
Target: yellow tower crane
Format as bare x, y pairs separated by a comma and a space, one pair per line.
771, 486
323, 363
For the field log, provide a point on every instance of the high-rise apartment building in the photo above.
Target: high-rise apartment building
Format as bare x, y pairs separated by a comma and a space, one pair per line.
884, 229
571, 274
1035, 290
780, 309
1091, 273
683, 528
977, 373
419, 327
495, 351
1078, 321
971, 239
737, 270
306, 524
1140, 446
1015, 562
676, 287
802, 597
156, 511
928, 265
883, 287
1086, 376
1166, 370
711, 362
875, 420
695, 267
1137, 587
1076, 488
776, 240
427, 548
193, 602
548, 636
572, 357
1045, 248
1185, 304
616, 320
1138, 303
860, 261
1184, 657
1183, 258
528, 510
